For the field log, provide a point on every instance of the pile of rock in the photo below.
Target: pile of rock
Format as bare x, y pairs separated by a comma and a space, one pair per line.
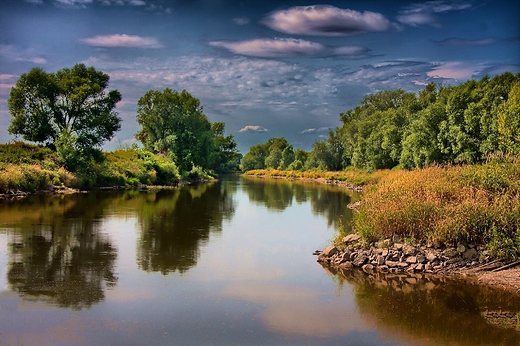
393, 256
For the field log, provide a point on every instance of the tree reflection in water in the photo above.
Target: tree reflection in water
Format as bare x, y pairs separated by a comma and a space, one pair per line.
175, 223
423, 309
279, 194
57, 251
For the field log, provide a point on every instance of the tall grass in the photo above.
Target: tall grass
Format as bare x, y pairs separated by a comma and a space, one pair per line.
30, 168
477, 204
355, 176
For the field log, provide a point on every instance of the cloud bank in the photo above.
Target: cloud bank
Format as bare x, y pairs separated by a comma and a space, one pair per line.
276, 48
325, 20
419, 14
253, 128
123, 40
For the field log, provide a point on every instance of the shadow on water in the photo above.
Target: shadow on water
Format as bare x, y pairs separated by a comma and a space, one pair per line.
57, 252
432, 310
279, 194
175, 223
60, 254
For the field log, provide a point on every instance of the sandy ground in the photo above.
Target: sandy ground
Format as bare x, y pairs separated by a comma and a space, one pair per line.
508, 279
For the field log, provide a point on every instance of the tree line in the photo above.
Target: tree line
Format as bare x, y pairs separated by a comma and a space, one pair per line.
441, 124
72, 112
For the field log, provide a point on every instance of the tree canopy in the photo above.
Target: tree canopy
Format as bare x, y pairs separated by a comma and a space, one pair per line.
70, 106
173, 123
460, 124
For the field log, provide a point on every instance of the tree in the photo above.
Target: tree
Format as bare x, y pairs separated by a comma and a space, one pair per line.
69, 107
226, 155
173, 123
509, 121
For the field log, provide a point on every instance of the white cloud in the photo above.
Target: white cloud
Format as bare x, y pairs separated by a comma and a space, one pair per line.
37, 2
241, 20
315, 130
73, 3
325, 20
423, 13
287, 47
123, 40
13, 53
253, 128
456, 70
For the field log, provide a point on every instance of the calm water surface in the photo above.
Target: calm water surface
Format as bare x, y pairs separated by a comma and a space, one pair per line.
217, 264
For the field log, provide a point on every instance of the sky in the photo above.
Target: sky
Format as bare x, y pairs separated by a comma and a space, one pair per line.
264, 68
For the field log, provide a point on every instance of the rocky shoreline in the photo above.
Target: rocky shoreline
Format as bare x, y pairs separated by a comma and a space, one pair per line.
395, 256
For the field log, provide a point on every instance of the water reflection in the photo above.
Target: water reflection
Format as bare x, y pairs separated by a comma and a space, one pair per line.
279, 194
174, 224
57, 251
433, 310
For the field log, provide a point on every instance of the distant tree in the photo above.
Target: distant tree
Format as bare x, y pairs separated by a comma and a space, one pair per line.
226, 155
69, 109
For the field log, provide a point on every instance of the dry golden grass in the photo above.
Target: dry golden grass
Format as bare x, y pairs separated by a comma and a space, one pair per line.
355, 176
478, 204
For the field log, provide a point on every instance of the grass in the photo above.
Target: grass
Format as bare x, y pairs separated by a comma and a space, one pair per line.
355, 176
30, 168
478, 204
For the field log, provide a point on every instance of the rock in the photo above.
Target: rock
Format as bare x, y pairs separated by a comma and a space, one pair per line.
450, 253
411, 259
469, 254
391, 263
380, 260
330, 251
367, 268
403, 264
346, 265
351, 238
428, 266
384, 253
383, 268
409, 250
461, 248
419, 267
316, 252
360, 260
431, 256
398, 246
421, 258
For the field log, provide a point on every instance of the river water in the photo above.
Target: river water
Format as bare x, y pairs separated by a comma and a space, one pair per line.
222, 263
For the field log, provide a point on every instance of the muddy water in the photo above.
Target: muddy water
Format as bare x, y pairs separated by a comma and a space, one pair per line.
217, 264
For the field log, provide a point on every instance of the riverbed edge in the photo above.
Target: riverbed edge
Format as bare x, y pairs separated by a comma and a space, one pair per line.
466, 261
482, 273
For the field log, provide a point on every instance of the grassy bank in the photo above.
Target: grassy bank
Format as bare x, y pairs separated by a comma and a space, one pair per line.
444, 205
356, 176
473, 204
29, 168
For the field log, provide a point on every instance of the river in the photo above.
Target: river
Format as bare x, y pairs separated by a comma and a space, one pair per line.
221, 263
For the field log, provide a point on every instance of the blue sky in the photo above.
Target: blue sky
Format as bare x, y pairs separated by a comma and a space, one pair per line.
265, 68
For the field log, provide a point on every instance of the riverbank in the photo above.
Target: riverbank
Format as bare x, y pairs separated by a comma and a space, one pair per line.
464, 217
466, 261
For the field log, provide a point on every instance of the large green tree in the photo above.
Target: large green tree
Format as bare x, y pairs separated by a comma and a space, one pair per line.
173, 123
70, 107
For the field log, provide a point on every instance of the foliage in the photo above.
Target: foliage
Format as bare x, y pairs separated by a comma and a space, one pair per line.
29, 168
69, 108
276, 153
173, 124
479, 204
